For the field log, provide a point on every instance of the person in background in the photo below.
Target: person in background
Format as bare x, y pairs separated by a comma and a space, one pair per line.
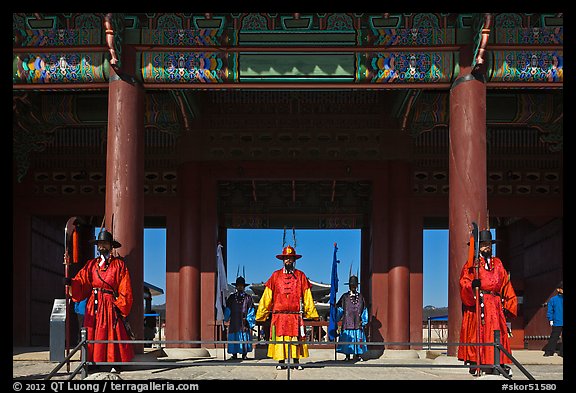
80, 310
354, 315
149, 327
288, 298
497, 299
555, 315
240, 312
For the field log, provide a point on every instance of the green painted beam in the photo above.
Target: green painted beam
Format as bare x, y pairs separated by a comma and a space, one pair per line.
296, 65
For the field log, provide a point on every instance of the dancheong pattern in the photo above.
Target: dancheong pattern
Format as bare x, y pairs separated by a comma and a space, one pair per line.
59, 68
407, 37
186, 67
529, 66
59, 37
189, 37
379, 47
405, 67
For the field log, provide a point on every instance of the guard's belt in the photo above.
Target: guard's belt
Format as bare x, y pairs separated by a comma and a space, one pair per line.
96, 290
286, 312
489, 292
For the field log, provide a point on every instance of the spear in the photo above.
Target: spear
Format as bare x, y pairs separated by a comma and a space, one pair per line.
475, 235
68, 231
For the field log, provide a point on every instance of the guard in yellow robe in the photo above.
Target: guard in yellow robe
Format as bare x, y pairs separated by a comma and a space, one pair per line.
287, 296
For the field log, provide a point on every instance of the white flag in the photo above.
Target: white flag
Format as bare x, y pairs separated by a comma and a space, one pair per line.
221, 285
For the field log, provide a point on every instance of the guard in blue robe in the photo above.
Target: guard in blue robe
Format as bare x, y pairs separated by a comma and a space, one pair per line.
353, 313
241, 314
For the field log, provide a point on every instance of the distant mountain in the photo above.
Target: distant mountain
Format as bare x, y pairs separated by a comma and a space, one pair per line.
160, 309
431, 311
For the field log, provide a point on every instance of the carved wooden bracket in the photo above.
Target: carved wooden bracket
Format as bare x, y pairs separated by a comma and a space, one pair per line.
114, 27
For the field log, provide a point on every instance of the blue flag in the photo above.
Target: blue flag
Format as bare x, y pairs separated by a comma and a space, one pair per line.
332, 322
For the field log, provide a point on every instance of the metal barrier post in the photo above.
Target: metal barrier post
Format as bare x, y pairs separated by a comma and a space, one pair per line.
501, 368
84, 353
289, 358
496, 347
159, 330
335, 349
429, 333
222, 337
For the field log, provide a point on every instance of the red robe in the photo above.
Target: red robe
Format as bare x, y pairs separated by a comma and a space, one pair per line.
104, 323
496, 281
287, 291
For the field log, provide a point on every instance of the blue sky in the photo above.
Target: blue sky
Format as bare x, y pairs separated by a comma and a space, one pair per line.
254, 252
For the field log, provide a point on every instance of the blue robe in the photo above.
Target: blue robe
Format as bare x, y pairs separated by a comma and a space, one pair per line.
354, 315
241, 314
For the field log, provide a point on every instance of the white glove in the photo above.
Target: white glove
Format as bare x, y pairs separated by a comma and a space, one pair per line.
551, 323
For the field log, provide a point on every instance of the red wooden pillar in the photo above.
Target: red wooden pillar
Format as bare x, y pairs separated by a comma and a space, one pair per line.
399, 268
21, 265
209, 242
125, 179
189, 274
415, 257
378, 259
365, 268
467, 166
171, 330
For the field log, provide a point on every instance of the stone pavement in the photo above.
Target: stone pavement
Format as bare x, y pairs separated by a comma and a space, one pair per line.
210, 365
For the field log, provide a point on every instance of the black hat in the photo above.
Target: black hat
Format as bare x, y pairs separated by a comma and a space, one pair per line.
561, 285
353, 280
240, 281
105, 236
486, 236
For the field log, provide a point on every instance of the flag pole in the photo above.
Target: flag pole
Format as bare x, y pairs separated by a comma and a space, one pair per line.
332, 323
221, 284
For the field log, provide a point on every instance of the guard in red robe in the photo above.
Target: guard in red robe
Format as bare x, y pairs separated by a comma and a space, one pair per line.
287, 298
497, 302
105, 282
